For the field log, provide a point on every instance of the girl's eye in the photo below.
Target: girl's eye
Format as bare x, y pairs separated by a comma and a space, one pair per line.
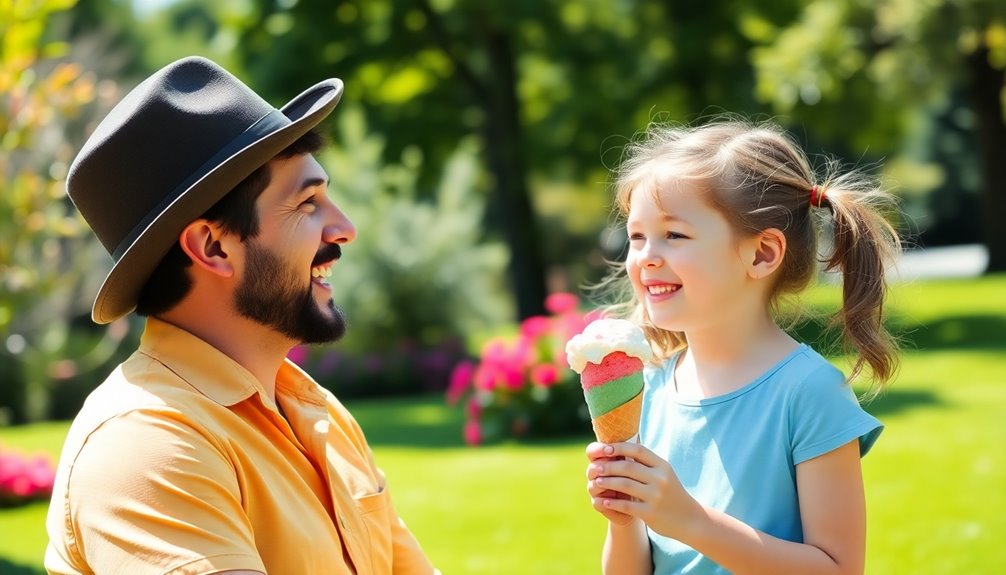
636, 237
675, 236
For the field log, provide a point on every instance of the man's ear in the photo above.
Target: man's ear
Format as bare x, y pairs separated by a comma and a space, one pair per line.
765, 253
207, 245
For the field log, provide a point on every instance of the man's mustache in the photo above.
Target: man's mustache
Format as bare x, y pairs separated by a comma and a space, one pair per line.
328, 253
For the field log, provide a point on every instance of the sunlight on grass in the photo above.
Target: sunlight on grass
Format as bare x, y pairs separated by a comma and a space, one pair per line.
935, 479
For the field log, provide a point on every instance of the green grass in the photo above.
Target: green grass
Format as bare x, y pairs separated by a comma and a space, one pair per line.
936, 480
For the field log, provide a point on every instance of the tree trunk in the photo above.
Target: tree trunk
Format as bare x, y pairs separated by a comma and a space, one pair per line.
986, 87
504, 148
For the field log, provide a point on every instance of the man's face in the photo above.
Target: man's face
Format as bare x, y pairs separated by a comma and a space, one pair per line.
284, 284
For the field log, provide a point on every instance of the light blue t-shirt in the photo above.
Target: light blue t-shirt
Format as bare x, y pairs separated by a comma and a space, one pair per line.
738, 452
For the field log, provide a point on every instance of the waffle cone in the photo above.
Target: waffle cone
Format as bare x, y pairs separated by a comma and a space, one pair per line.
619, 424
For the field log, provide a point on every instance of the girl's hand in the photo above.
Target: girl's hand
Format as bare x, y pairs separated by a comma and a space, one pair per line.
627, 479
598, 458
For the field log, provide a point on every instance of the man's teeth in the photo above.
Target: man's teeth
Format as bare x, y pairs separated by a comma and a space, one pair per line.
662, 289
321, 272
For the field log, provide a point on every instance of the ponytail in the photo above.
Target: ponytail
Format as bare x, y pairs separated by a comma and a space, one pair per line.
864, 243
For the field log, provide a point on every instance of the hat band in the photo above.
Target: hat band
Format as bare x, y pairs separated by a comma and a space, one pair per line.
264, 126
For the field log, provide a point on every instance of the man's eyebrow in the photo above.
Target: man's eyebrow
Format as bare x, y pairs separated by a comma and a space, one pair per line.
308, 184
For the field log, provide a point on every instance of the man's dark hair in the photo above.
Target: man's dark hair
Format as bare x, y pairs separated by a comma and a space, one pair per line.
235, 213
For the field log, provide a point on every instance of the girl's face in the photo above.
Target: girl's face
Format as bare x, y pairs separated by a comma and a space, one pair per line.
684, 260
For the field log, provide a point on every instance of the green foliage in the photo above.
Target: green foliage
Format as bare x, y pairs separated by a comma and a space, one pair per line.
586, 75
420, 268
46, 256
908, 79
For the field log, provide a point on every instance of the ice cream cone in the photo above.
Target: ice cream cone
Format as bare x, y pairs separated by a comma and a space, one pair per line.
609, 357
619, 424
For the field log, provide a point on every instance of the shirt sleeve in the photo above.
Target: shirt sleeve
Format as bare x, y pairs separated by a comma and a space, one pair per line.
149, 493
824, 415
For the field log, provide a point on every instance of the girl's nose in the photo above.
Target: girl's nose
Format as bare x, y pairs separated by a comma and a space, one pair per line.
648, 258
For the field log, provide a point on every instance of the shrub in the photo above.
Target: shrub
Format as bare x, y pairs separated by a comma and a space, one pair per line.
522, 385
404, 368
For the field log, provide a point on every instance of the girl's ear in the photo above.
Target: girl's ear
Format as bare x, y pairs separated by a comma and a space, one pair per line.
208, 246
767, 249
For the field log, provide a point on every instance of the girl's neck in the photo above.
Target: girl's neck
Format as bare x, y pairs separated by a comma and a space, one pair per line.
722, 359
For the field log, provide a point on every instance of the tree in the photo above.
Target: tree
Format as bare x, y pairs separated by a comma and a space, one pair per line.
543, 85
45, 252
872, 67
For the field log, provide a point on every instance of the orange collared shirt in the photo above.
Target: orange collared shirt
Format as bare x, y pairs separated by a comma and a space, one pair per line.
180, 463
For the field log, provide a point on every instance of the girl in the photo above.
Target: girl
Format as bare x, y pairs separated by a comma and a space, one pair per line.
750, 442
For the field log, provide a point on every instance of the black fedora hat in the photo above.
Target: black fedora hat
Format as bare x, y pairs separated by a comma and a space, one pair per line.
173, 147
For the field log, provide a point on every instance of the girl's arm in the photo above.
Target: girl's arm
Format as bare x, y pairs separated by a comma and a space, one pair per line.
832, 509
626, 547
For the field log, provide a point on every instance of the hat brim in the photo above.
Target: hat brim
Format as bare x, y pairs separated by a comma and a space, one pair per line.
119, 292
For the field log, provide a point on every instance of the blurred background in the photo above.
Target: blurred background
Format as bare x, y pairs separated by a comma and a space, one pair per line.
473, 149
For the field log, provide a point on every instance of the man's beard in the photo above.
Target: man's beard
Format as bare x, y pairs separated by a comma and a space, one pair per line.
271, 294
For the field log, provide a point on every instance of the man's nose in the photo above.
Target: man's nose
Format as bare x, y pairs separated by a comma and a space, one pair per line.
340, 230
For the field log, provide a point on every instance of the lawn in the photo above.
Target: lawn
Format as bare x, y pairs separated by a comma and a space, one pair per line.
936, 480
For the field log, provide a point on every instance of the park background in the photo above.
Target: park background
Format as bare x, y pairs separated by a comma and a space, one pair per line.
473, 150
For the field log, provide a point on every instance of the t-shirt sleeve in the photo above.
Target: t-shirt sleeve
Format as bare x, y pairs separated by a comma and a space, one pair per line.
824, 415
151, 494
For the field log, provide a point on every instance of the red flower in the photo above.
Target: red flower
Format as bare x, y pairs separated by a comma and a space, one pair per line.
461, 378
473, 433
544, 374
561, 302
535, 326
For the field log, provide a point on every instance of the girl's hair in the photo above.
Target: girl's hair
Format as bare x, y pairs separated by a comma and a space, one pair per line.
759, 178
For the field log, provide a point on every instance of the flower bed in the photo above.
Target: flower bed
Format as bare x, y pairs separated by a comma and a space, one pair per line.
24, 478
522, 386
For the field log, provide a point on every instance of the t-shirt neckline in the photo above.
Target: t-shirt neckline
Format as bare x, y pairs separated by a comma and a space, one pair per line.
699, 402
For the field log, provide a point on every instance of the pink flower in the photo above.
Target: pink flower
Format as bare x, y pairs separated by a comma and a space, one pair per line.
561, 302
473, 433
544, 374
513, 379
495, 351
460, 379
23, 478
485, 377
535, 326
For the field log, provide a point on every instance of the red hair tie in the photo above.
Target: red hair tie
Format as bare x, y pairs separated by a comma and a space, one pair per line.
816, 196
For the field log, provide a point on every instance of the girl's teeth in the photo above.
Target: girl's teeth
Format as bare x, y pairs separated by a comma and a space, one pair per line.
662, 289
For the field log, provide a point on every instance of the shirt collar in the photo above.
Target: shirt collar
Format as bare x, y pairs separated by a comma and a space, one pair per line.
212, 372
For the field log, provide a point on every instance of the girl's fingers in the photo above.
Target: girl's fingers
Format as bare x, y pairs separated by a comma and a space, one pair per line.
622, 485
628, 507
620, 468
598, 492
633, 451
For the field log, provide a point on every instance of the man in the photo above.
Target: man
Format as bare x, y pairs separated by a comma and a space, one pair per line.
207, 451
